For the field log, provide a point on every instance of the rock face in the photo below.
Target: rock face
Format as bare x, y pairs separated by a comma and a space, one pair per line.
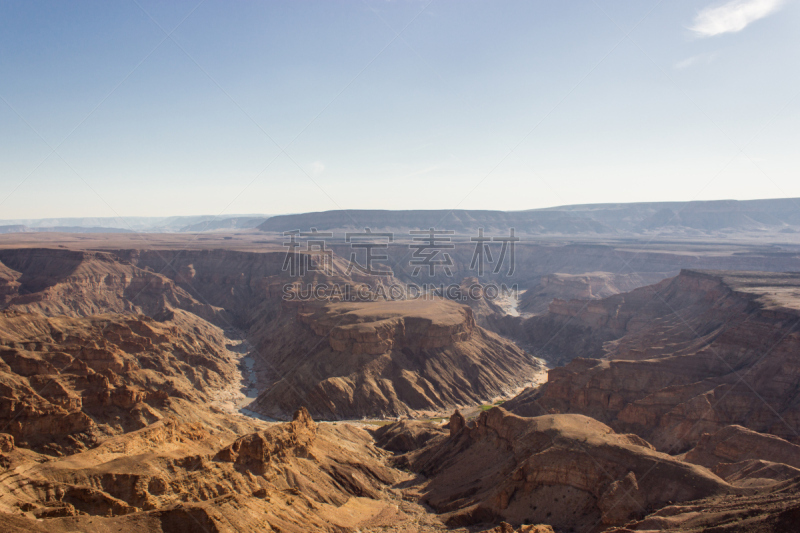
67, 382
293, 478
9, 284
745, 457
734, 444
407, 435
385, 359
72, 283
488, 314
677, 359
6, 442
776, 510
376, 328
585, 472
239, 282
256, 452
588, 286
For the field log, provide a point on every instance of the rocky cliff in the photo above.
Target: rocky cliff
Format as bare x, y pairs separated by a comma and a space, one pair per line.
772, 510
171, 476
674, 360
566, 470
9, 284
379, 359
746, 457
78, 283
587, 286
66, 383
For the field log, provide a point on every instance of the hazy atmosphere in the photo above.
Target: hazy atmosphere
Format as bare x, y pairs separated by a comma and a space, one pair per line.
143, 108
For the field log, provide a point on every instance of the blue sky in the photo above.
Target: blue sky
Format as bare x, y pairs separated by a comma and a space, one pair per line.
280, 107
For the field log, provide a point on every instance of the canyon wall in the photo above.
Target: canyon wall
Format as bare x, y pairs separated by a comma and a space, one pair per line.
587, 286
674, 360
586, 473
385, 359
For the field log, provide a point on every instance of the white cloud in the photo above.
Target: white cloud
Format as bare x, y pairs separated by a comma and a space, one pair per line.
422, 171
702, 59
317, 168
733, 16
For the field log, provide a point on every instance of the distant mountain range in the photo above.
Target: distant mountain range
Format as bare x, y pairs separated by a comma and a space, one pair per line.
678, 218
19, 228
133, 224
689, 219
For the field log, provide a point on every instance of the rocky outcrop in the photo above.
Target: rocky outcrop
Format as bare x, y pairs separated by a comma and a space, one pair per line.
6, 442
384, 359
678, 359
587, 286
255, 452
669, 311
585, 472
375, 328
170, 476
775, 510
9, 284
733, 444
72, 283
745, 457
407, 435
456, 424
67, 382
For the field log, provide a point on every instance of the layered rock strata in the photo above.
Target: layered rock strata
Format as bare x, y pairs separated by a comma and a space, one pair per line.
672, 361
67, 382
292, 478
566, 470
385, 359
587, 286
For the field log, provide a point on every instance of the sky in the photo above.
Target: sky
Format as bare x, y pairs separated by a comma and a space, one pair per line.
151, 108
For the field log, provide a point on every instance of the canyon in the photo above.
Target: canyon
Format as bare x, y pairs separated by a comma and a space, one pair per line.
194, 384
674, 360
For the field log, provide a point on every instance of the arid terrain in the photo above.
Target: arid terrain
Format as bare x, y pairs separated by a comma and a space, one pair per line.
400, 266
186, 382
